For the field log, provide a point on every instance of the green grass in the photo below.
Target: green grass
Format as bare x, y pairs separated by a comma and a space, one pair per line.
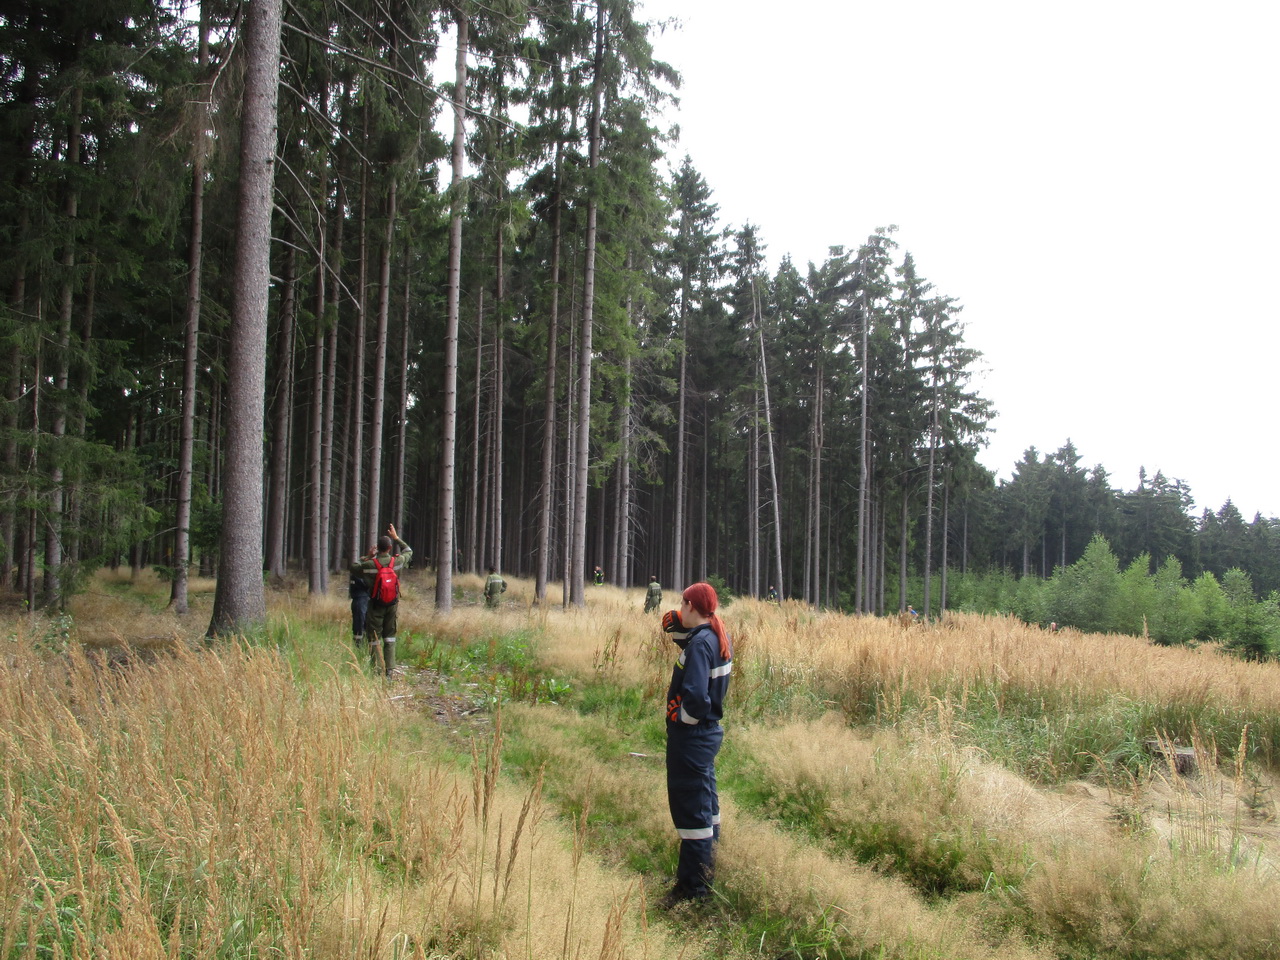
1053, 739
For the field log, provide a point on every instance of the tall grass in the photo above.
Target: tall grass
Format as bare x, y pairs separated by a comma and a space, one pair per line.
980, 789
205, 803
956, 766
1051, 704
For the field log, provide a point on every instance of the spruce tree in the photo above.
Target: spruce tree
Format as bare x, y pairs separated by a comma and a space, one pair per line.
239, 603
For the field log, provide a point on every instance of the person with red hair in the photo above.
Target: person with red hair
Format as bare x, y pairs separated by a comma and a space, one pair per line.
695, 706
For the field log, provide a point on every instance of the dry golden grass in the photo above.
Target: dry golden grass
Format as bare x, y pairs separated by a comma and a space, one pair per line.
862, 909
1186, 863
835, 650
200, 802
771, 868
211, 778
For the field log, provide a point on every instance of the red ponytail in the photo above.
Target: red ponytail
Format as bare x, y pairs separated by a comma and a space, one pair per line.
703, 598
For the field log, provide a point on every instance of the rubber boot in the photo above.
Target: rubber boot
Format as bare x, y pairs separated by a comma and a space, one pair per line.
389, 653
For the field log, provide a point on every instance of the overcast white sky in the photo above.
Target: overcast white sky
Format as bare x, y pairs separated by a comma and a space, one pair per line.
1096, 182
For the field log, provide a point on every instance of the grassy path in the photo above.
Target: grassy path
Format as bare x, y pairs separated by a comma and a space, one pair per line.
781, 892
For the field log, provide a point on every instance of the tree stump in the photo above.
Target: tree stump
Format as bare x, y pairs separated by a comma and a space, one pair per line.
1181, 758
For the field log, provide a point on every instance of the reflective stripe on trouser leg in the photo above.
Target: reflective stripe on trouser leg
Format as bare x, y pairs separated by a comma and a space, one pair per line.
695, 808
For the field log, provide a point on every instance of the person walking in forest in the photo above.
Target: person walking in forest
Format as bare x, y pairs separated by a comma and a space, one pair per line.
652, 595
494, 588
358, 591
381, 571
695, 706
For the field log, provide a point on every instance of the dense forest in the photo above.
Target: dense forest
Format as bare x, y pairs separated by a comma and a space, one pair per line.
486, 304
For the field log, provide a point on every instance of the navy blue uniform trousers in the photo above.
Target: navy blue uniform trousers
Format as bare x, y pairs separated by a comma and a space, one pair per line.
358, 591
695, 807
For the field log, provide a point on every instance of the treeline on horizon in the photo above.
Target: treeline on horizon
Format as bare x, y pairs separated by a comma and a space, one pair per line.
635, 390
1098, 595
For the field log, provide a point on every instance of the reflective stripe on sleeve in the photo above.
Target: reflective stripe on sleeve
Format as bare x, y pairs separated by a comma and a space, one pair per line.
723, 671
685, 717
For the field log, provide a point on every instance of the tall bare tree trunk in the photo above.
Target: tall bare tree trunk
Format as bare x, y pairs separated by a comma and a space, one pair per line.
213, 469
622, 524
289, 524
282, 403
317, 518
819, 441
882, 573
902, 549
946, 520
753, 498
331, 537
611, 556
862, 593
27, 575
9, 421
570, 472
331, 533
602, 521
88, 308
239, 604
449, 432
499, 386
475, 529
317, 570
681, 493
484, 450
402, 421
375, 526
545, 489
928, 497
191, 335
27, 91
520, 528
621, 563
355, 469
342, 546
773, 463
819, 454
579, 545
62, 381
706, 473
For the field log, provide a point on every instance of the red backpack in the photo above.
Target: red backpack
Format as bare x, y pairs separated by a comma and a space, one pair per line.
386, 585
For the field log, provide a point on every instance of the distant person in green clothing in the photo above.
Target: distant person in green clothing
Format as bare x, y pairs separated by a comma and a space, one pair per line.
653, 595
381, 570
494, 588
599, 575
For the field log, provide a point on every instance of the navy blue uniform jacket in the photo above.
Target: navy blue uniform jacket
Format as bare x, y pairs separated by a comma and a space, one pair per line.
699, 680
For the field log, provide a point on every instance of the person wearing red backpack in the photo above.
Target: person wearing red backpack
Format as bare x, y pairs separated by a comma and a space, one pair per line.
381, 571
